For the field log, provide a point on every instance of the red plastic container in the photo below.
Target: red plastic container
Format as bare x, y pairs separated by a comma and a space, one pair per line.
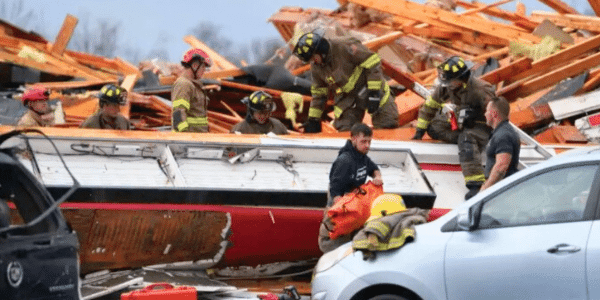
162, 291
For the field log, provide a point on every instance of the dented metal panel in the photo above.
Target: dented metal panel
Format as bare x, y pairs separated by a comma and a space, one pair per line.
120, 237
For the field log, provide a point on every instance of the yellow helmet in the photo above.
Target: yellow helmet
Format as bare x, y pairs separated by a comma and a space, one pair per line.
386, 204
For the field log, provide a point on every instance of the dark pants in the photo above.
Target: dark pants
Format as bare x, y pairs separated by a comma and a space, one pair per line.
385, 117
471, 143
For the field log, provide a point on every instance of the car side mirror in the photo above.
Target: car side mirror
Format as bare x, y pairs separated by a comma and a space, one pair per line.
469, 219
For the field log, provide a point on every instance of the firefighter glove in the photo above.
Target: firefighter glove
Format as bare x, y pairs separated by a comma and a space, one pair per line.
374, 100
419, 134
313, 125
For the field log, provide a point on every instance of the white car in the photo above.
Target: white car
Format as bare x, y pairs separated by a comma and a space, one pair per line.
534, 235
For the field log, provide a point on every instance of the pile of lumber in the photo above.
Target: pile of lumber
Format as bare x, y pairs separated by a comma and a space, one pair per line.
534, 60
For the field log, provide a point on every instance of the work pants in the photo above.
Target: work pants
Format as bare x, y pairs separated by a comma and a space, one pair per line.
385, 117
471, 143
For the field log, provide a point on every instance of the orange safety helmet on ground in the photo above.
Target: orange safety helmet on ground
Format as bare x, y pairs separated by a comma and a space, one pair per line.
35, 94
194, 54
386, 204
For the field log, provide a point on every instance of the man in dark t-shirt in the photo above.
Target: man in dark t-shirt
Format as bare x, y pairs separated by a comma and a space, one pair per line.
504, 146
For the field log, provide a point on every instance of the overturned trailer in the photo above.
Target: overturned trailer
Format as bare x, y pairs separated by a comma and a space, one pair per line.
201, 200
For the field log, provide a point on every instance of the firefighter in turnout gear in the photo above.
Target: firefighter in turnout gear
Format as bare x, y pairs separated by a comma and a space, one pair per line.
466, 98
39, 113
258, 119
109, 117
190, 102
352, 74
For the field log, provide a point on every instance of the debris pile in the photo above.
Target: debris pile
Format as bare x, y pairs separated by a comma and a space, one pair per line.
544, 63
533, 60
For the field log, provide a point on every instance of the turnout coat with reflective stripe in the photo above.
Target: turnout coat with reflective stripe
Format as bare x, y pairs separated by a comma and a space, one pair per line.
348, 68
189, 95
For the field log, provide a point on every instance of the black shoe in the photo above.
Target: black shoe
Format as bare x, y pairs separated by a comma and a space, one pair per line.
473, 190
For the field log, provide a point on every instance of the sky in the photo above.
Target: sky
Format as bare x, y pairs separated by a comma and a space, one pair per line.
149, 24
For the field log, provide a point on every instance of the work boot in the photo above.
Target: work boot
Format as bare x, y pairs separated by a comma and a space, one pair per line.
473, 190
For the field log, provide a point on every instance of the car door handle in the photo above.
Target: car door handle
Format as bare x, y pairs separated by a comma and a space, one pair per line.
561, 248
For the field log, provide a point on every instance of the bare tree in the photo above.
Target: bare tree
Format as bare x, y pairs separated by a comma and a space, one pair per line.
208, 33
16, 13
100, 40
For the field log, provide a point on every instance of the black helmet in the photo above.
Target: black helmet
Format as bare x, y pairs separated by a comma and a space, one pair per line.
111, 93
260, 101
310, 44
453, 68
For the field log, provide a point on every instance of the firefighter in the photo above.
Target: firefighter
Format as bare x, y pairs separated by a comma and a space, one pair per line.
260, 105
466, 97
109, 117
39, 113
349, 71
190, 102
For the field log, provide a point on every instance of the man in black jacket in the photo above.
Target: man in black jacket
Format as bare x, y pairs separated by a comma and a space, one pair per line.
352, 166
349, 171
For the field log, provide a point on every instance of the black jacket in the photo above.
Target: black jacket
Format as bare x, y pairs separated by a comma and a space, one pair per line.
349, 170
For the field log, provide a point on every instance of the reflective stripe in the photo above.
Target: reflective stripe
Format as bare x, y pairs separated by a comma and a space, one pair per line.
182, 126
386, 95
371, 61
374, 85
314, 112
181, 103
422, 123
352, 80
201, 121
337, 111
318, 91
381, 227
479, 177
432, 103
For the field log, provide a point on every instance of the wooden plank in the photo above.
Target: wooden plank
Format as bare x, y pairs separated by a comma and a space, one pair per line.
560, 6
592, 83
223, 74
30, 63
595, 4
517, 18
553, 77
221, 62
246, 87
378, 42
559, 58
64, 35
425, 13
60, 85
128, 84
507, 71
495, 54
485, 7
590, 23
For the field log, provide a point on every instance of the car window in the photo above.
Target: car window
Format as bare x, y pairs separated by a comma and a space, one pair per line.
556, 196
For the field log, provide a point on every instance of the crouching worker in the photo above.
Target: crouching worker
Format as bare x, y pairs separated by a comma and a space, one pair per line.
259, 107
39, 113
109, 115
390, 226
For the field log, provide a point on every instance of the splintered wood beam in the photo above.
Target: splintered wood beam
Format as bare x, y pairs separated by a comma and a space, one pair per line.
560, 6
423, 13
64, 35
560, 58
217, 59
517, 18
503, 73
128, 84
595, 4
553, 77
378, 42
591, 23
482, 8
495, 54
247, 87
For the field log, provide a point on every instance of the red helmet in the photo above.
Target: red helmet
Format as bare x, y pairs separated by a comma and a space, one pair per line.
35, 94
198, 54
